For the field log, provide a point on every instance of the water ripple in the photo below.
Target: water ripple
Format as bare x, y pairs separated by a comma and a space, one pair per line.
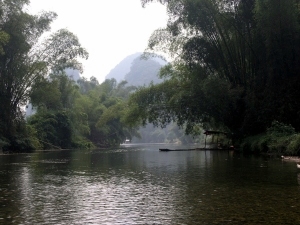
129, 186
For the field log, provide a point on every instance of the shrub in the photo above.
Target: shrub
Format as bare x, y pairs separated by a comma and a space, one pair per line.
294, 145
4, 143
279, 139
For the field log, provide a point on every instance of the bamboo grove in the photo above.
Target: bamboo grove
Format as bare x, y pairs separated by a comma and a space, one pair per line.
235, 66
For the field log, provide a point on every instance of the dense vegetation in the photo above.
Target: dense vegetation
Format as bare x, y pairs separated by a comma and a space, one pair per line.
236, 67
24, 61
68, 115
80, 115
138, 71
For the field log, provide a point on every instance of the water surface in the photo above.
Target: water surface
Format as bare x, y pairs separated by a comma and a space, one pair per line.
140, 185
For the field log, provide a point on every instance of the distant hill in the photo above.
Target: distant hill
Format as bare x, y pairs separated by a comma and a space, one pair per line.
122, 68
137, 71
142, 72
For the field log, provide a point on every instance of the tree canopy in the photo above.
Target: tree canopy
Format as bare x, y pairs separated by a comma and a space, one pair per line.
25, 59
236, 65
80, 115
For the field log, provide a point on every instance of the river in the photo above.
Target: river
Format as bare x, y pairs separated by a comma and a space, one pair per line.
137, 184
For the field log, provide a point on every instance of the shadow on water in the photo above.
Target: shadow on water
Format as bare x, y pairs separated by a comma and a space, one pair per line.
137, 184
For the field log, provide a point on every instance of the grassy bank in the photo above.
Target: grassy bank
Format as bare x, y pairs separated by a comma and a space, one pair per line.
279, 139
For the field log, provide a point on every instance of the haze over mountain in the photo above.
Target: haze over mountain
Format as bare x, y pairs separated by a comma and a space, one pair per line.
120, 70
137, 71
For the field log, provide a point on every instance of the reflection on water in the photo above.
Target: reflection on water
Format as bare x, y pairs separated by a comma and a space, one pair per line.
140, 185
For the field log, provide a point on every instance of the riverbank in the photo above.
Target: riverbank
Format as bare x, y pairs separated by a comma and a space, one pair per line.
279, 139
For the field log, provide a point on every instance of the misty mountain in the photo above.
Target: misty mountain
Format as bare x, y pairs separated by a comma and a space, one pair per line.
143, 72
120, 70
137, 71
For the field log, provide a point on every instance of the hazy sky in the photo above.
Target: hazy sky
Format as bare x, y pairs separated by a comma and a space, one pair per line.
109, 29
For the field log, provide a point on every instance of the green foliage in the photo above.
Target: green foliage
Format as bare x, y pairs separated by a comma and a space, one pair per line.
23, 141
279, 139
280, 129
107, 108
61, 118
89, 114
255, 144
188, 102
236, 63
25, 60
293, 147
68, 115
4, 143
53, 129
82, 143
4, 38
46, 95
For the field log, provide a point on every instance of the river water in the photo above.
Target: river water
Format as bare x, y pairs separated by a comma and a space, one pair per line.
137, 184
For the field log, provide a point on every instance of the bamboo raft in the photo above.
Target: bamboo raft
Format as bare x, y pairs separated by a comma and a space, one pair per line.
194, 149
169, 150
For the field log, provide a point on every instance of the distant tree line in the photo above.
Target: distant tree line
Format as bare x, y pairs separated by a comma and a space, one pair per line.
82, 115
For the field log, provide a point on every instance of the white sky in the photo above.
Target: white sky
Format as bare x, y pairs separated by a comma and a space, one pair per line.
110, 30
